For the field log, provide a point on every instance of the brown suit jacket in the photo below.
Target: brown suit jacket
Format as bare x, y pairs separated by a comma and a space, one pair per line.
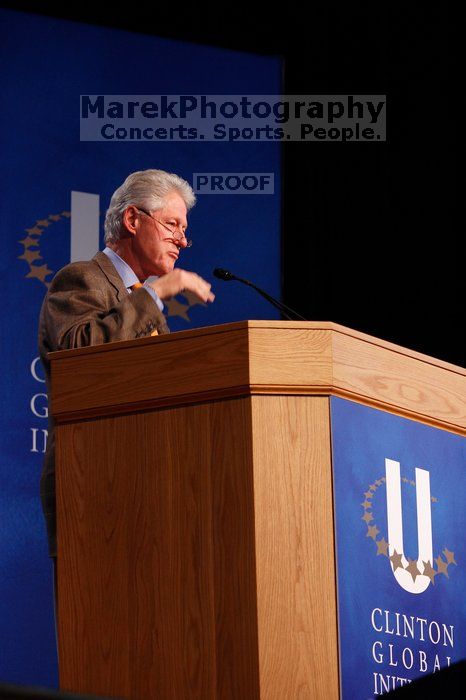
87, 304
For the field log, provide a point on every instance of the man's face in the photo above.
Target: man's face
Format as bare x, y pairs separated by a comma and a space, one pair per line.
153, 244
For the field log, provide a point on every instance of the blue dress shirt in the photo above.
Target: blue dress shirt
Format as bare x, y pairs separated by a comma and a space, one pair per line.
129, 277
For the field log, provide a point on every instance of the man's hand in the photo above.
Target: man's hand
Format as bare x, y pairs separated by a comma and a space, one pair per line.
177, 281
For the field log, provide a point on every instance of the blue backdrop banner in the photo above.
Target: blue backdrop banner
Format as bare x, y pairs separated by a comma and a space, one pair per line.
400, 493
55, 189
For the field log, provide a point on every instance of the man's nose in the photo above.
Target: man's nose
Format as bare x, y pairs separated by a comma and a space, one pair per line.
181, 242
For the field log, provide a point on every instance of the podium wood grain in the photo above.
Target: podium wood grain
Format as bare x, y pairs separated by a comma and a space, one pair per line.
186, 573
258, 357
163, 543
298, 650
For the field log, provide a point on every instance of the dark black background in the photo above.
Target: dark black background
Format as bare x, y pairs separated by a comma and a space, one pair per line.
371, 234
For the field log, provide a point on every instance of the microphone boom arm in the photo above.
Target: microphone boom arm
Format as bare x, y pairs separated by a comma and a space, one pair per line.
227, 276
278, 305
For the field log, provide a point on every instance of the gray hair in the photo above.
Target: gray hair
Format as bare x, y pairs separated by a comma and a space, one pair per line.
145, 189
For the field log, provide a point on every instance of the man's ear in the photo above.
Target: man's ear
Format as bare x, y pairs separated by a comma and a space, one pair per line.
130, 220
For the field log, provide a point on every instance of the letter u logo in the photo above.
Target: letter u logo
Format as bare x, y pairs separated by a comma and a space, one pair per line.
417, 583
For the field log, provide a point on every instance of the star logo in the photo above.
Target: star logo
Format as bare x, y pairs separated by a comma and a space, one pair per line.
442, 566
382, 547
412, 568
31, 248
450, 556
429, 571
397, 559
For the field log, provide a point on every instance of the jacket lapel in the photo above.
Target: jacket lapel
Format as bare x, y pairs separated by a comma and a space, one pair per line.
111, 274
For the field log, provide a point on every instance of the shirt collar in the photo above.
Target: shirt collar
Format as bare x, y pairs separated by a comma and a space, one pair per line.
126, 273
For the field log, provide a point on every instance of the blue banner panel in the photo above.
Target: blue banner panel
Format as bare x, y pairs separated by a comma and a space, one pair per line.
400, 497
55, 190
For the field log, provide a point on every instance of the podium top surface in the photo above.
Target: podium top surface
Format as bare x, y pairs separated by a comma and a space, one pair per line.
257, 357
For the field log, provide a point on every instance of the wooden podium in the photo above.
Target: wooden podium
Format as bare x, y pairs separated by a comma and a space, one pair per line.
194, 492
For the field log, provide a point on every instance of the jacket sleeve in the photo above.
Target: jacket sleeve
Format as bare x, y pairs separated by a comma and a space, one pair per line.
81, 309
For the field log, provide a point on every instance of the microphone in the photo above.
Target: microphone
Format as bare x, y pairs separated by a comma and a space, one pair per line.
222, 274
227, 276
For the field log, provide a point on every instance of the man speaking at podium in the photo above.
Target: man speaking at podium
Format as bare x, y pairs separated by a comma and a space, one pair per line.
119, 294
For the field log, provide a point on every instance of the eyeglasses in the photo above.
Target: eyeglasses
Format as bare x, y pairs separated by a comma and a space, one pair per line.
177, 235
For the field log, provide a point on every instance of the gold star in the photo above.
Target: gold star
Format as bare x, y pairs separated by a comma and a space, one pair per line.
372, 531
367, 517
30, 255
66, 213
368, 494
442, 566
449, 556
27, 242
54, 217
35, 231
176, 309
378, 482
372, 487
43, 222
412, 568
433, 499
192, 299
396, 560
403, 478
429, 571
382, 547
366, 504
39, 271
